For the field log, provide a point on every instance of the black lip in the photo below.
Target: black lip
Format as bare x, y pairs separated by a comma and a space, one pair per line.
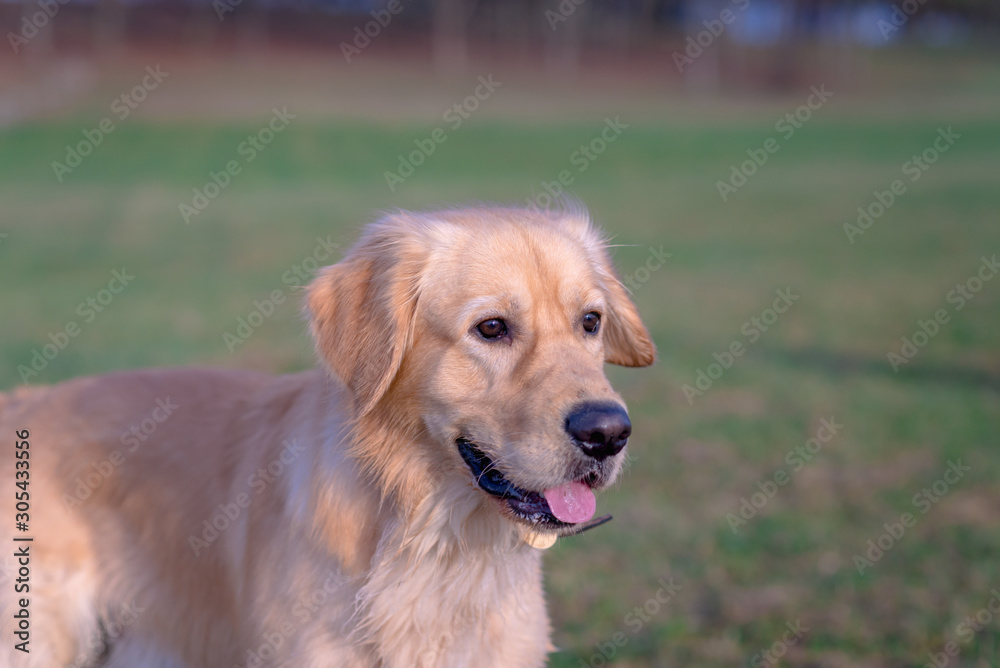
527, 505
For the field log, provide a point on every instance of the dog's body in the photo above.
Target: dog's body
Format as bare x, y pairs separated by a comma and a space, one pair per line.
196, 518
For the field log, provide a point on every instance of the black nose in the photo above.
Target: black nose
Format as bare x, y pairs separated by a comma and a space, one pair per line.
600, 430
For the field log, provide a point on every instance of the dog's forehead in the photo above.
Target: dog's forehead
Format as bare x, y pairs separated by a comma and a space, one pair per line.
526, 262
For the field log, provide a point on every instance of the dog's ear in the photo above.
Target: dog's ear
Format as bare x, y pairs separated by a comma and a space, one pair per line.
626, 340
361, 315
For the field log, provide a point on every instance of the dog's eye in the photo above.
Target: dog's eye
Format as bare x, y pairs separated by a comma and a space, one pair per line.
494, 328
591, 321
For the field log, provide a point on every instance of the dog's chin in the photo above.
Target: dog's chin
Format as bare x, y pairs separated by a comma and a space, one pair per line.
520, 505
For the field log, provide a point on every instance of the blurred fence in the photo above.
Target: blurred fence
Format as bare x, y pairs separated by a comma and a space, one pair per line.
559, 29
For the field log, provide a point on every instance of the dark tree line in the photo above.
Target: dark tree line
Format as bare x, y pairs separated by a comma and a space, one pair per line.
559, 28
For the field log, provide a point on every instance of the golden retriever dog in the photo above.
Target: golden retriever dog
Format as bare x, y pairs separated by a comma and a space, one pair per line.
386, 510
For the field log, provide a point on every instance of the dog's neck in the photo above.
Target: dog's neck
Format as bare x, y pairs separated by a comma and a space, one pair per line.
446, 567
449, 575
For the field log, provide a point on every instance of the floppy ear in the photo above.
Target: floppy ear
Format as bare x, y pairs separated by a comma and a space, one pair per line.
361, 314
626, 339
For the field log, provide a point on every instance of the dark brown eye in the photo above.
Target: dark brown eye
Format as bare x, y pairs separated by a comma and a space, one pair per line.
494, 328
591, 321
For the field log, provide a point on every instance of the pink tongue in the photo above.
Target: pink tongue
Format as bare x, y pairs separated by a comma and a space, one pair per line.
572, 502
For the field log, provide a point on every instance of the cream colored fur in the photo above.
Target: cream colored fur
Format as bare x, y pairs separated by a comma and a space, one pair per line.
370, 545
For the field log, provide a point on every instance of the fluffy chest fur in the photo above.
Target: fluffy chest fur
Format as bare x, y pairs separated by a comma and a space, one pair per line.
434, 599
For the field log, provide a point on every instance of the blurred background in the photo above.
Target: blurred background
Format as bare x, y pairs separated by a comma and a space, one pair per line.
803, 196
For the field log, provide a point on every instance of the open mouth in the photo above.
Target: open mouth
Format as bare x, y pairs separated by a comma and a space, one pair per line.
531, 507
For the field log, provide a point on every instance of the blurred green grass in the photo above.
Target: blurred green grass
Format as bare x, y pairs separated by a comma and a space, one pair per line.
690, 464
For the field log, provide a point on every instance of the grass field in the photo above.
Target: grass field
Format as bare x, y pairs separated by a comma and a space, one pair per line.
790, 562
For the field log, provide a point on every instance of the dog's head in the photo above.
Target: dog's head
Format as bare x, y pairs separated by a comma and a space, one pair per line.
487, 331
